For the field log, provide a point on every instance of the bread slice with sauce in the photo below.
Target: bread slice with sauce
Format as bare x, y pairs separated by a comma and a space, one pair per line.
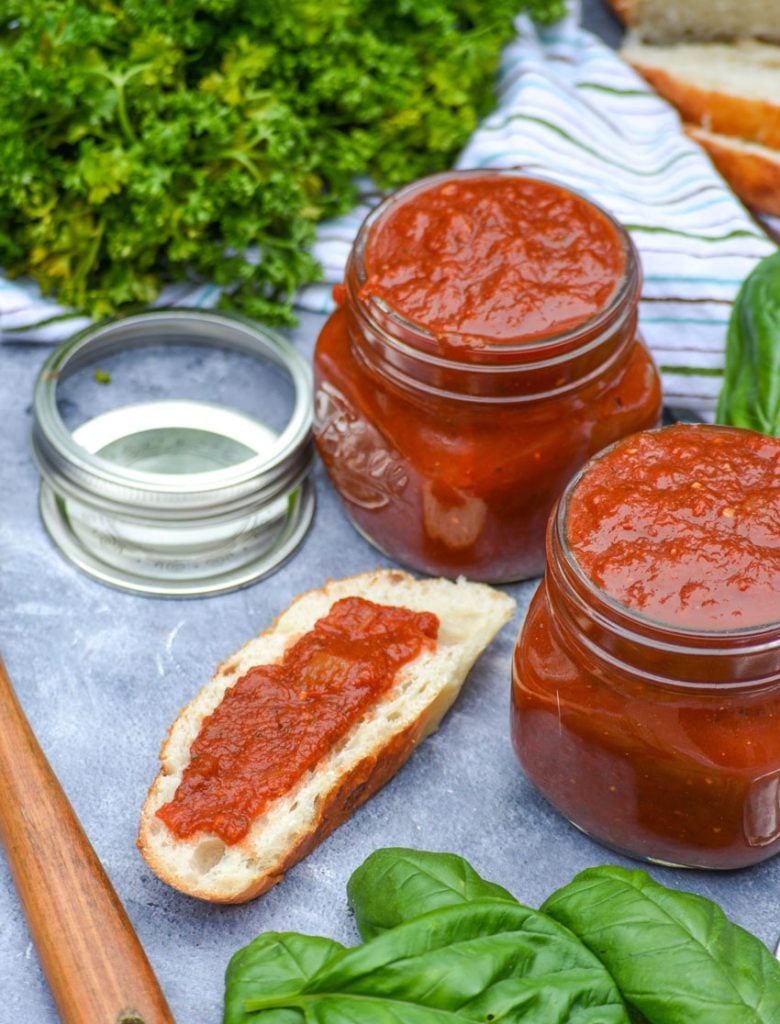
470, 615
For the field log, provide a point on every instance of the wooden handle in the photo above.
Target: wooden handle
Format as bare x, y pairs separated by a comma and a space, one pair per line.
93, 961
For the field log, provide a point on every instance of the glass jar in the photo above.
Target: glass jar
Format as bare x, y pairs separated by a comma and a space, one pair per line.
185, 469
448, 447
660, 739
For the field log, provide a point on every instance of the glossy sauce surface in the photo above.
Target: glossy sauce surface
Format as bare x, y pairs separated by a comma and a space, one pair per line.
279, 720
683, 525
450, 449
497, 258
668, 749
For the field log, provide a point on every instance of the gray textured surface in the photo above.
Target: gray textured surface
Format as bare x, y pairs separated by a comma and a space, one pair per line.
599, 18
101, 675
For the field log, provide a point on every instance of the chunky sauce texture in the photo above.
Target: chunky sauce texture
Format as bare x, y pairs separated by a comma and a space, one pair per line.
279, 720
437, 476
683, 525
457, 487
496, 258
681, 776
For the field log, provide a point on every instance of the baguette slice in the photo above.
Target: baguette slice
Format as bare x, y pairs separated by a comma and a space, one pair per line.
470, 615
752, 171
728, 89
669, 21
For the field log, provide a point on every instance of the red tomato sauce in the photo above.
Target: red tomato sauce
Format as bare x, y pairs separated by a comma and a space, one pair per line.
279, 720
683, 525
486, 348
682, 777
668, 748
497, 258
454, 487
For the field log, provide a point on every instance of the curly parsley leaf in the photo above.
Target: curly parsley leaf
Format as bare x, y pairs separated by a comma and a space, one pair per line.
143, 143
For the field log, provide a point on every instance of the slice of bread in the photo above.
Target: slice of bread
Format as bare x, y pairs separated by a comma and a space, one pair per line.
470, 615
729, 89
668, 21
751, 170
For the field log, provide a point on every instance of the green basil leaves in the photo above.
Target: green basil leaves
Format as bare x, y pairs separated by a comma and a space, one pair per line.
394, 885
675, 956
443, 945
485, 960
750, 396
278, 965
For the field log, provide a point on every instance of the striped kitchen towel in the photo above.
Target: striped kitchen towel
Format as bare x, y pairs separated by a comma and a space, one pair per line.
571, 110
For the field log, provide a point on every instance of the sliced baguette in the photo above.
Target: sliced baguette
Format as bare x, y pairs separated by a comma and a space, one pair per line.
667, 21
752, 171
470, 615
727, 89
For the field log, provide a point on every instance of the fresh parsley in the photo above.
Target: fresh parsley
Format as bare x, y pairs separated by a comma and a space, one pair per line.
145, 142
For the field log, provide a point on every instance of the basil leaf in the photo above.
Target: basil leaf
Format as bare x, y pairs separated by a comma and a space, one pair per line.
675, 956
750, 396
276, 963
395, 884
481, 961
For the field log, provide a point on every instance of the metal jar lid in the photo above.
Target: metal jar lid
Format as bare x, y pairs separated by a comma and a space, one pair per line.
170, 496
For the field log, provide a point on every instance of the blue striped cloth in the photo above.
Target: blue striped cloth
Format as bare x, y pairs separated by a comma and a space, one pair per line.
571, 110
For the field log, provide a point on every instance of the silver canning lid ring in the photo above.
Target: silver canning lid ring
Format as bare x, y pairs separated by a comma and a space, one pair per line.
72, 471
294, 530
175, 534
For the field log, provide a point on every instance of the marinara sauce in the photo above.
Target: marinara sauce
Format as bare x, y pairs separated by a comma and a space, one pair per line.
279, 720
646, 683
485, 347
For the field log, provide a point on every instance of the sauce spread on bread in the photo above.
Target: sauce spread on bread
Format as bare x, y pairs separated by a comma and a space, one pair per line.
279, 720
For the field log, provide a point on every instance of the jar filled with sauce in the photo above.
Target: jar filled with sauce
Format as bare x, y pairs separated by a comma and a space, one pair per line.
646, 678
484, 348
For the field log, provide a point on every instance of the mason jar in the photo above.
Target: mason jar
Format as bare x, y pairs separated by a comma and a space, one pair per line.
646, 677
185, 470
485, 345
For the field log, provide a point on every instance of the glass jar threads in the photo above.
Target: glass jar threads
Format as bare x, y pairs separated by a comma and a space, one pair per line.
646, 680
185, 469
485, 347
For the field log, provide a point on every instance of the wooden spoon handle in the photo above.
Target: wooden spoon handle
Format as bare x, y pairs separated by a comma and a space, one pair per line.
93, 961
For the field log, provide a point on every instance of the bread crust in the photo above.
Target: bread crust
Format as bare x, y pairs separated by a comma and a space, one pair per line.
752, 174
667, 21
751, 119
358, 786
354, 789
362, 769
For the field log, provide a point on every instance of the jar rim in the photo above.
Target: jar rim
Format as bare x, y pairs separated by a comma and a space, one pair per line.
66, 464
630, 622
180, 531
545, 351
